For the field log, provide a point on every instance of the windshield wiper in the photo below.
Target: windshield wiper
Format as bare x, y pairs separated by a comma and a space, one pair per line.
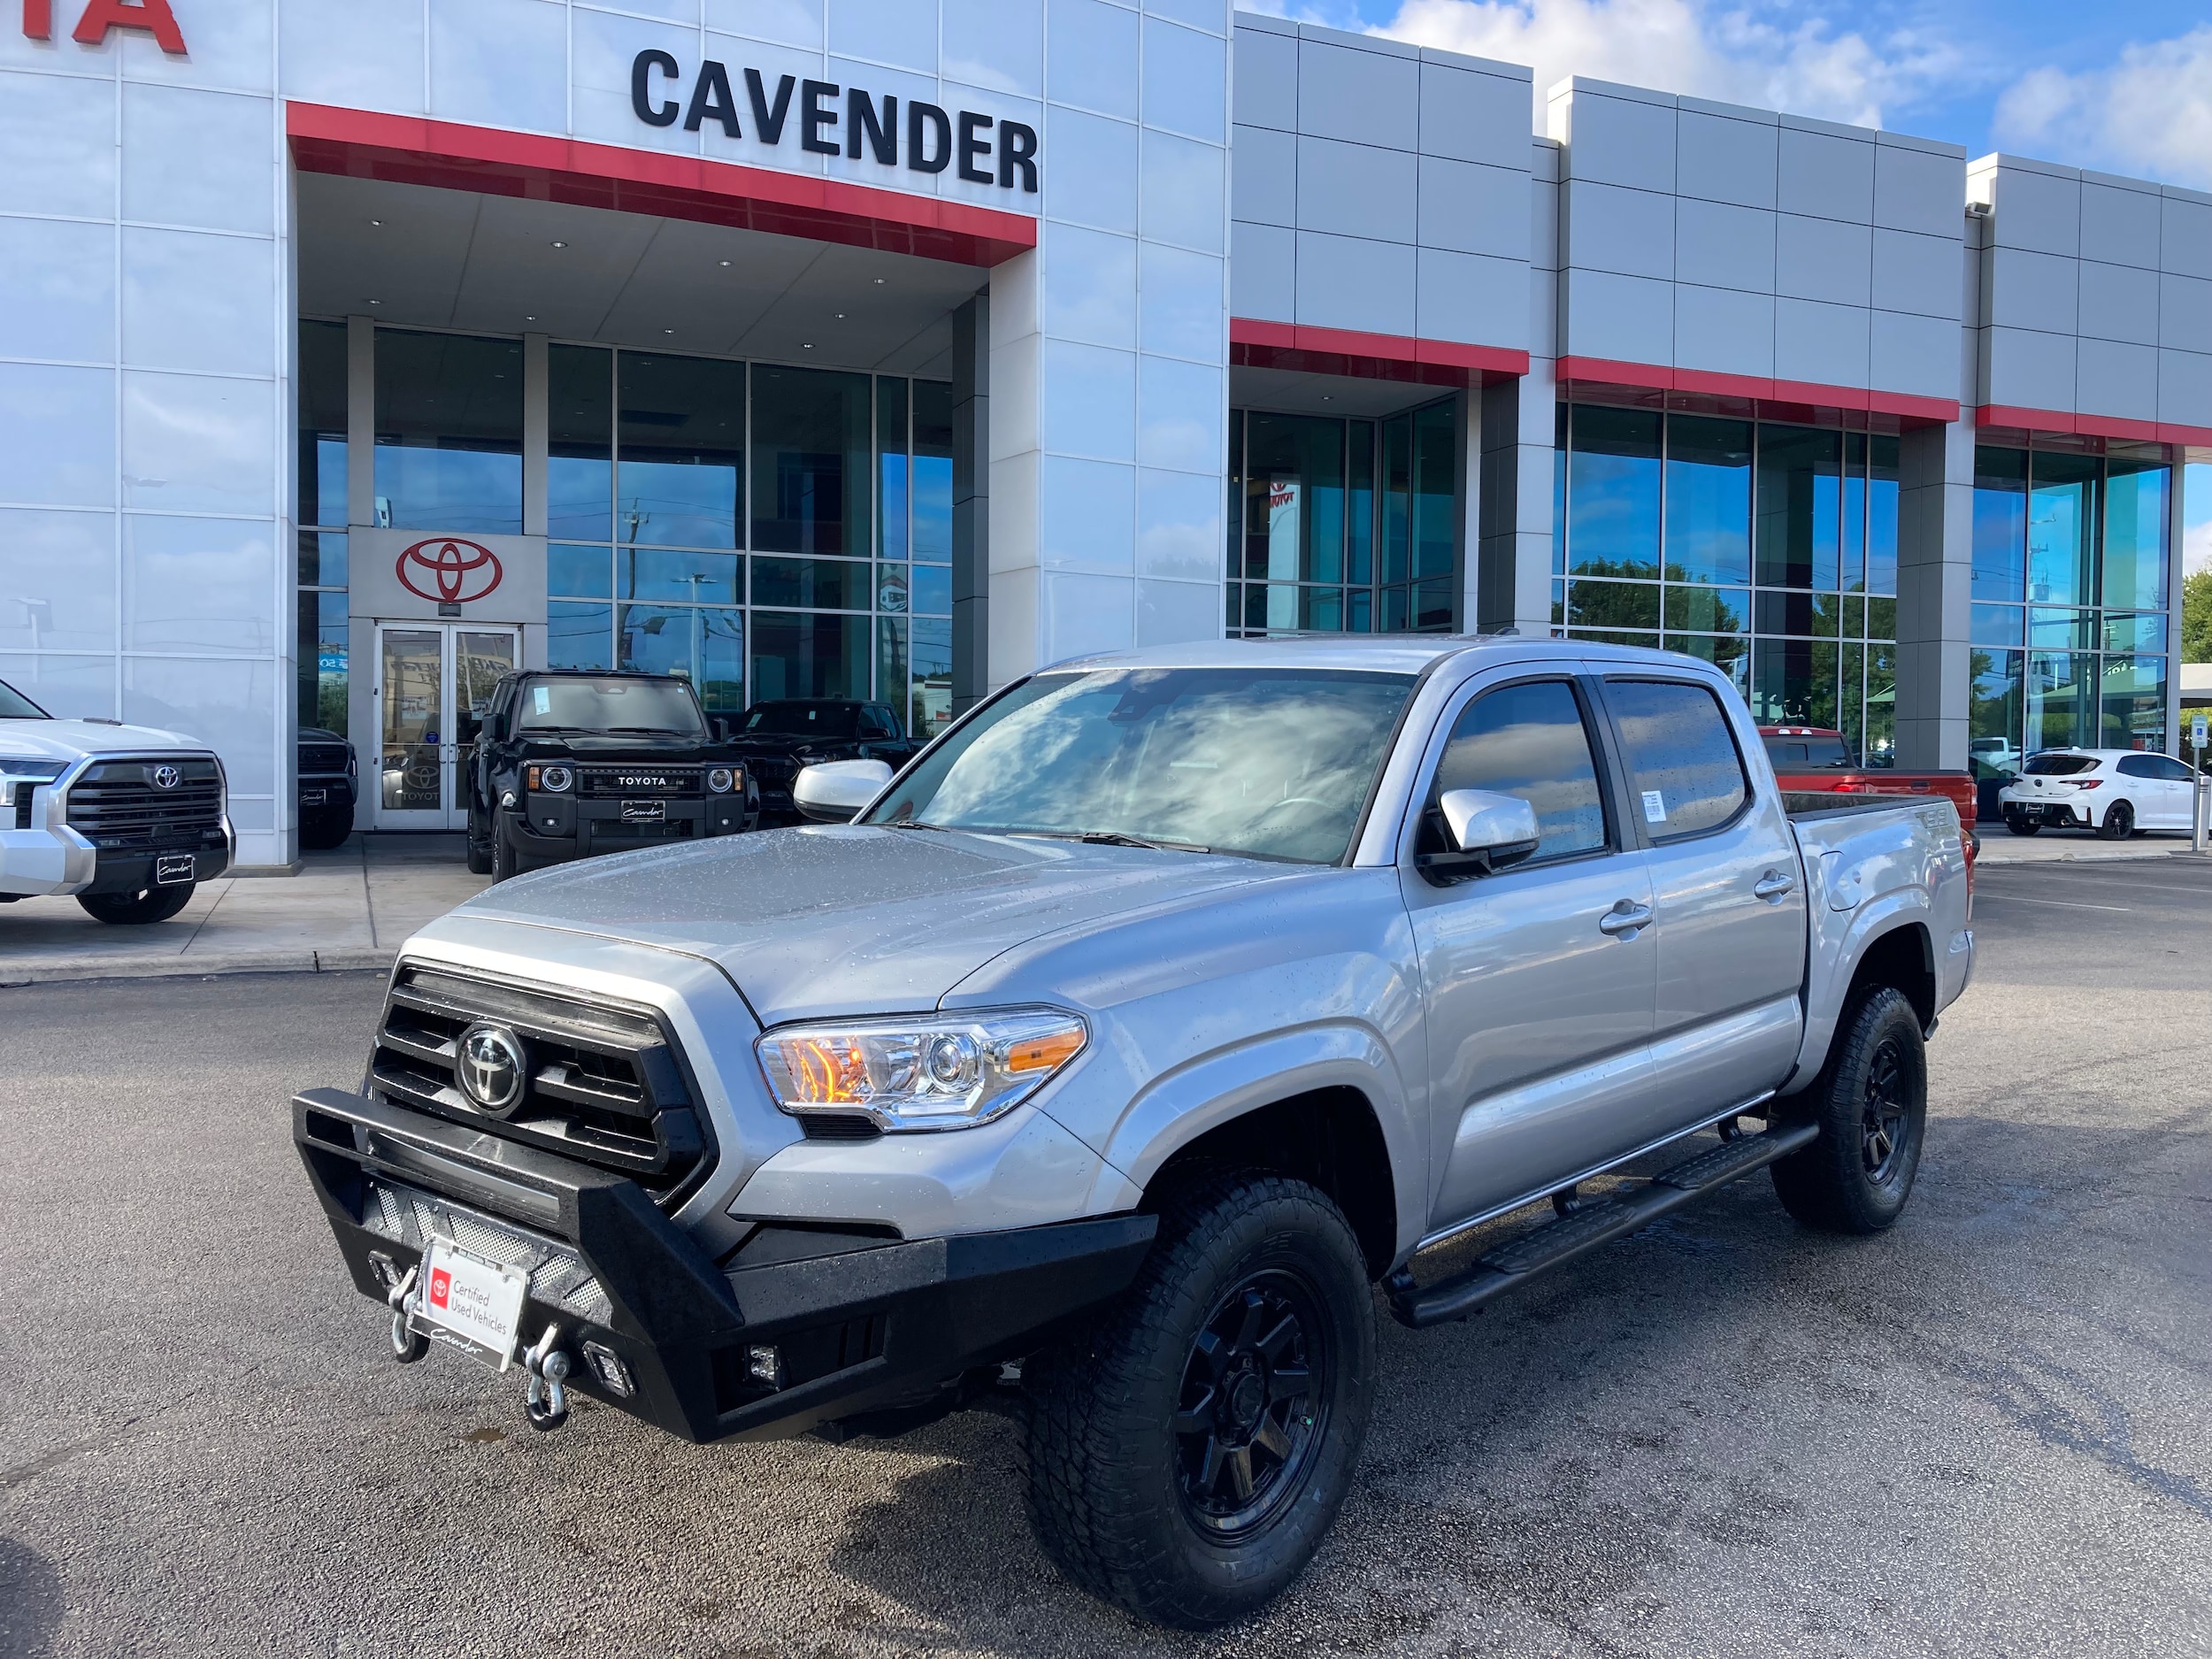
649, 730
1114, 838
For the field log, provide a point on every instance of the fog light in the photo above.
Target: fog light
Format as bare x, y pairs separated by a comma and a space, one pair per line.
766, 1365
607, 1365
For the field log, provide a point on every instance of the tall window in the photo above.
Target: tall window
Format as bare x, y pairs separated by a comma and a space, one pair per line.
448, 433
1770, 550
2069, 591
324, 637
1343, 526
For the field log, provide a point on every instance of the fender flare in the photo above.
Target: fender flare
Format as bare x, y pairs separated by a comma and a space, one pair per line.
1912, 906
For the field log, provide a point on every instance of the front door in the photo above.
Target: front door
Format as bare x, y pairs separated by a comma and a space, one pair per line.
1539, 984
434, 682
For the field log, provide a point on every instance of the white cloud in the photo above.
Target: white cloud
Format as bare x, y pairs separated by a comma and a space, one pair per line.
2150, 112
1689, 46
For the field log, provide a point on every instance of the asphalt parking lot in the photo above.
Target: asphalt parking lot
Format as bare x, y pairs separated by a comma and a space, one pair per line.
1983, 1433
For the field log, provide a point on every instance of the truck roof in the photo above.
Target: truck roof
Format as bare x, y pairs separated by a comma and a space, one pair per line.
1400, 653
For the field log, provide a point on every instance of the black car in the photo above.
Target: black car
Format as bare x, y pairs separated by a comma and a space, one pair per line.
781, 736
569, 762
329, 781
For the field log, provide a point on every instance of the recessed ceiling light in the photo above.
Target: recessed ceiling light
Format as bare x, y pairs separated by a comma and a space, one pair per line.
668, 331
529, 319
376, 221
376, 302
806, 345
560, 244
725, 264
879, 281
840, 317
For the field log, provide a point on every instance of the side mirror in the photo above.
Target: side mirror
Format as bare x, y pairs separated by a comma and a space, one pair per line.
1486, 832
831, 791
721, 729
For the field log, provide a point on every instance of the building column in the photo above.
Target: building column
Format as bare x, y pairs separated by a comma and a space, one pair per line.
1519, 420
360, 421
1935, 559
536, 433
970, 503
1014, 567
1469, 489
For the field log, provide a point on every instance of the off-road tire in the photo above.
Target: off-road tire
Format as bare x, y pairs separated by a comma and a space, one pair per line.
504, 862
136, 910
2118, 823
1108, 1474
1872, 1099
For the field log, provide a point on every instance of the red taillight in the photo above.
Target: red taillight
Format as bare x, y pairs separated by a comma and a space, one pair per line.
2092, 783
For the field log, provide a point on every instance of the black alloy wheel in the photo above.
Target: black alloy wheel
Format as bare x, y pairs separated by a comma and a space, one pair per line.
1871, 1105
1253, 1407
2118, 823
1882, 1126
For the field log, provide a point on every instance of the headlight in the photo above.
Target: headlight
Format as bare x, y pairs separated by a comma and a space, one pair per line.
922, 1071
30, 771
552, 779
721, 781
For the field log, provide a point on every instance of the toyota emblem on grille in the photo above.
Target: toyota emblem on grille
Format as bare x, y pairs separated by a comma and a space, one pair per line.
167, 777
491, 1066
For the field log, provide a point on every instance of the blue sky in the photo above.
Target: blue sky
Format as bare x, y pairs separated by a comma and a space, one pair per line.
2126, 87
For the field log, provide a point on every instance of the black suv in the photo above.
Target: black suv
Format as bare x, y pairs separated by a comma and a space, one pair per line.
781, 737
328, 779
571, 762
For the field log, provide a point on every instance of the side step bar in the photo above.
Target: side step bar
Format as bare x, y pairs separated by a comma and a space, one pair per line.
1520, 1259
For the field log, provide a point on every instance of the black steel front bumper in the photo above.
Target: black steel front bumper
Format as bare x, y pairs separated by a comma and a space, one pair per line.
865, 1330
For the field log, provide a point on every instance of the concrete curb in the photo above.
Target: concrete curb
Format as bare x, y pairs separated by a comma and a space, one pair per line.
1990, 856
61, 970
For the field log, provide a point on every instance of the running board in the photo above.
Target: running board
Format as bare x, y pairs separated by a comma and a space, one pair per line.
1520, 1259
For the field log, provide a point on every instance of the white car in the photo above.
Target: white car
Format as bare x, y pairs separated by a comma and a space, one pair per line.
126, 819
2113, 791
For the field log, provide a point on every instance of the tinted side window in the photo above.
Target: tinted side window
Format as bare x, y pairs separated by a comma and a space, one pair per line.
2137, 767
1683, 774
1528, 740
2177, 770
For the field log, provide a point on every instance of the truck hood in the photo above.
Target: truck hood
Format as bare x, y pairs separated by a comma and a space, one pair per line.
837, 919
72, 740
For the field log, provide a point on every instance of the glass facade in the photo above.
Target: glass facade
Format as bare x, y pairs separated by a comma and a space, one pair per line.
1343, 526
767, 531
324, 639
1768, 550
2070, 592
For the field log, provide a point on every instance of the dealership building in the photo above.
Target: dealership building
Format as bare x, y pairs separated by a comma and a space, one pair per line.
355, 351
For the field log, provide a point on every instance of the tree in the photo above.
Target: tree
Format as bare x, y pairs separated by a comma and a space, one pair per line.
2196, 618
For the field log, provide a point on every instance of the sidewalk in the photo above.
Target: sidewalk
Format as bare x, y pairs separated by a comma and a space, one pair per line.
2000, 846
351, 908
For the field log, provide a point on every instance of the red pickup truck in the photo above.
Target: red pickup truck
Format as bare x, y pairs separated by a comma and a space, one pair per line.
1812, 759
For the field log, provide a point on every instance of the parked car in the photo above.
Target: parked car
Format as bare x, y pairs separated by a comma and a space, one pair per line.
1122, 1043
2114, 791
779, 736
1816, 760
571, 762
329, 774
127, 819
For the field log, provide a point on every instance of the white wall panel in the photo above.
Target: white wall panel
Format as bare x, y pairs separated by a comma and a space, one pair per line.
1721, 159
1629, 233
194, 443
500, 63
2033, 290
2031, 371
785, 22
1090, 287
2119, 226
2113, 379
2038, 212
1088, 515
1361, 96
1630, 319
1180, 526
1175, 613
202, 159
56, 291
1822, 259
2118, 302
1186, 81
1472, 208
1090, 401
1092, 177
198, 585
998, 45
1922, 274
1920, 356
1091, 57
2184, 313
1723, 331
58, 575
901, 33
1184, 188
1356, 189
1479, 118
1264, 273
57, 436
2184, 237
57, 146
1824, 343
1917, 190
2184, 387
200, 301
1719, 246
1620, 141
363, 58
1470, 298
1344, 283
1182, 415
1264, 176
1825, 176
1266, 73
1180, 304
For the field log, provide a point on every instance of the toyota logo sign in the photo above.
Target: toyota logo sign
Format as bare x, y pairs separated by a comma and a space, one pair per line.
491, 1067
167, 777
448, 570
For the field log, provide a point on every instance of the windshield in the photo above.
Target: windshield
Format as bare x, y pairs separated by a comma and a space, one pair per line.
2059, 766
1819, 751
609, 705
1275, 763
15, 706
804, 719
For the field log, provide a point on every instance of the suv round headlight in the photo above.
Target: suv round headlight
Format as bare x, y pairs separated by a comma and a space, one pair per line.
720, 781
553, 780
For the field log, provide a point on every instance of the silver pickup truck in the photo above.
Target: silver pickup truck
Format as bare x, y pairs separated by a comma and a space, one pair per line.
1124, 1046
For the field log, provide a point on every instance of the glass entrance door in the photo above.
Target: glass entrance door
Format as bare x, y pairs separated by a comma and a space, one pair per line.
433, 684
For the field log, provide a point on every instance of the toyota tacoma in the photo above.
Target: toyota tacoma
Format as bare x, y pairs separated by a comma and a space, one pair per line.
1124, 1046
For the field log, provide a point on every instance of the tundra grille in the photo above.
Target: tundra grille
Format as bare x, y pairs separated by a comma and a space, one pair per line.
124, 804
602, 1084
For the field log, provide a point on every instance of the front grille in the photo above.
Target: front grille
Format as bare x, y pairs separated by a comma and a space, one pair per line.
777, 770
117, 804
603, 1084
638, 783
558, 1277
326, 760
23, 792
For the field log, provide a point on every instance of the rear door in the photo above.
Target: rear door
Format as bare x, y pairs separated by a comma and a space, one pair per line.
1727, 892
2156, 791
1539, 996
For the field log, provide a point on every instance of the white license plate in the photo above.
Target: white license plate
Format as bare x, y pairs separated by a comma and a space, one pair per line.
644, 811
476, 1299
172, 868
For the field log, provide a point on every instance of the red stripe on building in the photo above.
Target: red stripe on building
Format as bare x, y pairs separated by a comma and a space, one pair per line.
1902, 406
1301, 349
409, 150
2059, 422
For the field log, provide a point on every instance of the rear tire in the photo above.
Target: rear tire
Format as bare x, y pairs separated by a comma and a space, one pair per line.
2118, 823
1187, 1455
1871, 1105
2019, 824
504, 864
136, 910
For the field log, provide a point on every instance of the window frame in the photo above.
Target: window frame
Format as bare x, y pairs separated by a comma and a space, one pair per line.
1645, 838
1603, 758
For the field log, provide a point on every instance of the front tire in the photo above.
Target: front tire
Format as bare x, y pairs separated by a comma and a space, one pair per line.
136, 910
1871, 1105
504, 864
2118, 823
1187, 1457
319, 832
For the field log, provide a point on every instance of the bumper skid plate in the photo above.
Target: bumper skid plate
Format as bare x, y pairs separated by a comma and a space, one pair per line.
660, 1329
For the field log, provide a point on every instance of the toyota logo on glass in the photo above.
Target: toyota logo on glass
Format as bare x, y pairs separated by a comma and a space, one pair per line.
448, 570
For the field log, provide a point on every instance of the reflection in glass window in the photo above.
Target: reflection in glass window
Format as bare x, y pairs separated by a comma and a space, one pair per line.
891, 662
2061, 528
322, 558
1601, 604
2057, 693
1995, 692
811, 445
681, 468
1613, 492
2131, 704
891, 468
706, 647
1708, 500
1526, 741
448, 433
579, 434
324, 640
1795, 683
812, 584
932, 592
930, 645
1435, 497
932, 473
579, 636
1801, 490
1359, 521
2136, 506
2000, 523
322, 424
577, 572
1684, 775
1998, 626
1883, 463
1293, 510
802, 654
705, 579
